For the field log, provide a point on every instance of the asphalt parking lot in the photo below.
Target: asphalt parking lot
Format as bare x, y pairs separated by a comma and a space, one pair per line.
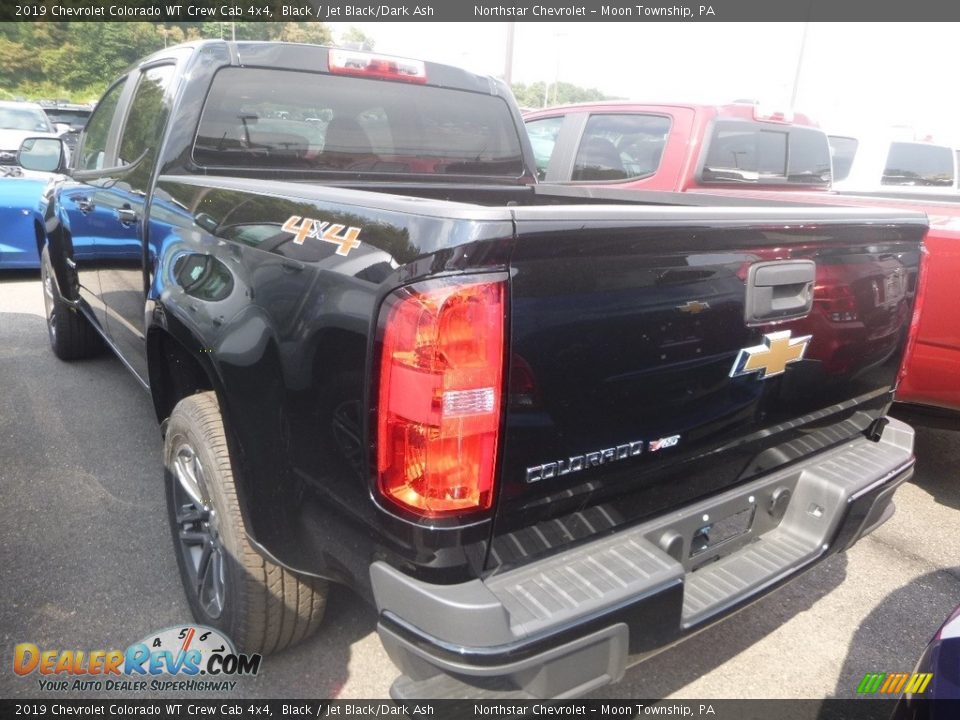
86, 561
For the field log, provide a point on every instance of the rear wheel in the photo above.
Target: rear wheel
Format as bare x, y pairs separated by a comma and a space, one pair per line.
71, 335
261, 606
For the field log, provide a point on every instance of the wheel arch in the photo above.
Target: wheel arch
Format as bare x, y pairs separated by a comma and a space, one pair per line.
177, 369
55, 236
40, 236
175, 373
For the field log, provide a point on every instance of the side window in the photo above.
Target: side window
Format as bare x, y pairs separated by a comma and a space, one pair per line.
543, 136
621, 147
920, 165
93, 147
146, 120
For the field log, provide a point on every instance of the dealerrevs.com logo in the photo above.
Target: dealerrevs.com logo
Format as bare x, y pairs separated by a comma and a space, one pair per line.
201, 658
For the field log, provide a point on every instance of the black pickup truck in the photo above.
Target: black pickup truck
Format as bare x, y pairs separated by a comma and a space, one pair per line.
547, 431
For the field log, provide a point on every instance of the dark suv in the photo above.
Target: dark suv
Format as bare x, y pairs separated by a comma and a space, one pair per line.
70, 114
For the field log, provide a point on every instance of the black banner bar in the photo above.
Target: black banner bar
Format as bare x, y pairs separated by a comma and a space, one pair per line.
853, 709
478, 10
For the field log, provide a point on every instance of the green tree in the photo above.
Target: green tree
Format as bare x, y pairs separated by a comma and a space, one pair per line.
76, 60
537, 95
303, 32
354, 36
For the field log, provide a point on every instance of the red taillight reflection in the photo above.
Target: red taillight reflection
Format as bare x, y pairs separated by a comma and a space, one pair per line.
440, 396
917, 307
835, 299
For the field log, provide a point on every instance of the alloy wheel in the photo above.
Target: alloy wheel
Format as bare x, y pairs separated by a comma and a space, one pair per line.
198, 531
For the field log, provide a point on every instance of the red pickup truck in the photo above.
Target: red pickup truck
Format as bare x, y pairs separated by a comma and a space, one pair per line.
738, 149
678, 147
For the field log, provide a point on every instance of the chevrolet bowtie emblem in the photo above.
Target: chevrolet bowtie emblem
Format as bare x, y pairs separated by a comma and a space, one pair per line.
771, 358
693, 307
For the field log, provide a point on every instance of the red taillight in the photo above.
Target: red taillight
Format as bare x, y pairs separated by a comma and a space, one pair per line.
441, 377
383, 67
917, 307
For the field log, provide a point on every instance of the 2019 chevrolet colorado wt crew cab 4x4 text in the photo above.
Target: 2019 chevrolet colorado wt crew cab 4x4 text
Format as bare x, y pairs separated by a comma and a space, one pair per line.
545, 431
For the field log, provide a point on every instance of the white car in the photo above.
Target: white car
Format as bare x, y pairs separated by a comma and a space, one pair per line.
18, 121
887, 163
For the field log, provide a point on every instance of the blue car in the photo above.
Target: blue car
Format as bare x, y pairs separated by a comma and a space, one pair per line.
21, 213
939, 696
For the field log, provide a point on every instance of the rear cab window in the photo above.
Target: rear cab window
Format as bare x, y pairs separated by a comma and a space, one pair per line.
76, 119
291, 120
919, 165
761, 153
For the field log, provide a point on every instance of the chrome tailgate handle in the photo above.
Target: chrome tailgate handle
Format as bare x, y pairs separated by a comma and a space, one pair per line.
779, 290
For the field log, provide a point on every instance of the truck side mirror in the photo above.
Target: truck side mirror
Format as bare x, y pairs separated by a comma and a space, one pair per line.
45, 154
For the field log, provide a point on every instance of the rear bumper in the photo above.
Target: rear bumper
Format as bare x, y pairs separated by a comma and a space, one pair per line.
569, 623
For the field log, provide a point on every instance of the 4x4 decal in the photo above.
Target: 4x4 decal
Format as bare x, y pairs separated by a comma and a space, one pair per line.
345, 238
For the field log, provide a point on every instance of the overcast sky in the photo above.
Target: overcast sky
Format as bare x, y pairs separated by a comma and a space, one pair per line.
852, 74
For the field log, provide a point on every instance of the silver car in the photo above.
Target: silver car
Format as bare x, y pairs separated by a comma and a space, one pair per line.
18, 121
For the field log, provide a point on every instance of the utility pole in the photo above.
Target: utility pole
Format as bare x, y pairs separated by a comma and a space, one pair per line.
508, 60
558, 38
796, 76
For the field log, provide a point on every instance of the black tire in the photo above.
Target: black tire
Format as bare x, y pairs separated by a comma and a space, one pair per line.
263, 608
72, 337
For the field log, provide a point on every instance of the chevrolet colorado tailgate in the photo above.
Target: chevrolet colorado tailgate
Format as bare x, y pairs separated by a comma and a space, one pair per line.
659, 356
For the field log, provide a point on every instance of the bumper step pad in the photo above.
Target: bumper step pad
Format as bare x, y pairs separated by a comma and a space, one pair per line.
563, 625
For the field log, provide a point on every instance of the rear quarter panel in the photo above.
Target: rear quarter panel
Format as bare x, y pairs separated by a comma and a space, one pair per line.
290, 329
932, 375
